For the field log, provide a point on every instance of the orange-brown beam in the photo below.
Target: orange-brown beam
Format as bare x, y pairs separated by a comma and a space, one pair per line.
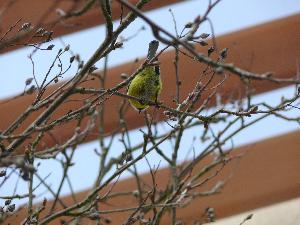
45, 14
273, 46
267, 173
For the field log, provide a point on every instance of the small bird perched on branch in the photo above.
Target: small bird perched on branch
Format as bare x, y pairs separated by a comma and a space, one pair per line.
147, 84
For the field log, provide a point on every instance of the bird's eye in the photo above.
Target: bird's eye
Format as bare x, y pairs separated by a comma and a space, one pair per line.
157, 70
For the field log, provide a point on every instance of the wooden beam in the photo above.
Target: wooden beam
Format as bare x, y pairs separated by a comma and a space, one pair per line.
267, 173
45, 14
257, 49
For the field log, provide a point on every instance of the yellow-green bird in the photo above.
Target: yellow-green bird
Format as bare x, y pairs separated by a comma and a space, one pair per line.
146, 85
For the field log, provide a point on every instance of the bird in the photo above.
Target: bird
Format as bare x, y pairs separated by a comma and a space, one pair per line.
146, 86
